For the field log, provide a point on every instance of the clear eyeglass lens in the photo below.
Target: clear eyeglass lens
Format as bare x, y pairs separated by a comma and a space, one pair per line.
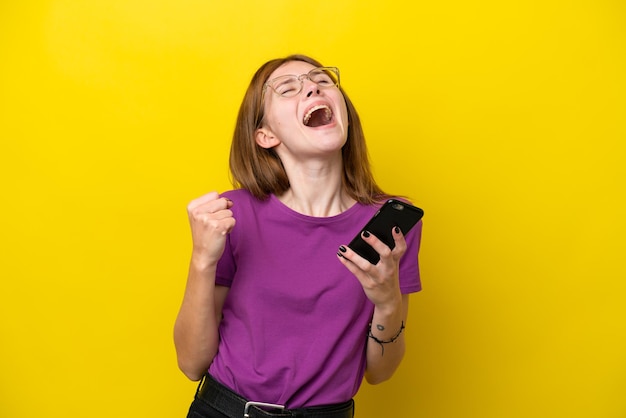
323, 77
290, 85
287, 85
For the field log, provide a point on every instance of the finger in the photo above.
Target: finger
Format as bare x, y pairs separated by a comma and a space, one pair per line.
227, 225
380, 247
348, 263
221, 214
219, 204
202, 200
354, 262
209, 204
221, 222
398, 238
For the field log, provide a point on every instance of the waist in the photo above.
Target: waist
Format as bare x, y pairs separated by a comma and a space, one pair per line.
231, 404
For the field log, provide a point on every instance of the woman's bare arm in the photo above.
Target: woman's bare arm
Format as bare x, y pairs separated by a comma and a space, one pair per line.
196, 330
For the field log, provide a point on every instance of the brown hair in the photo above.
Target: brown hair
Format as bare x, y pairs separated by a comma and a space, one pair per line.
261, 172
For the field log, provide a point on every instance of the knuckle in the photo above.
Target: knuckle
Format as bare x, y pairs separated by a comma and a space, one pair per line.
367, 267
400, 250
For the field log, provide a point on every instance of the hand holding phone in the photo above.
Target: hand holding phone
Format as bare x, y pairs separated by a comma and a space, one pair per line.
392, 213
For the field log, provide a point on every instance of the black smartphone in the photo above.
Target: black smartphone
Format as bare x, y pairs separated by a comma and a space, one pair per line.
391, 214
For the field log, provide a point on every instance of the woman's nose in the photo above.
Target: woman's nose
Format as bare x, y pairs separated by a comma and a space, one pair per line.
311, 89
314, 90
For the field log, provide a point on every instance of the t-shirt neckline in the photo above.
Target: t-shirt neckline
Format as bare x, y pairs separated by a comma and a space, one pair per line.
275, 201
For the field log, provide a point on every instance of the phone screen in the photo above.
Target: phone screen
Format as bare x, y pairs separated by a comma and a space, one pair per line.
391, 214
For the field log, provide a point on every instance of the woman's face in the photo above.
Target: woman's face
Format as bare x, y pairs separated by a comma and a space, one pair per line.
313, 122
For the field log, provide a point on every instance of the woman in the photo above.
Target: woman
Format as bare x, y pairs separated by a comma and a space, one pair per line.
279, 315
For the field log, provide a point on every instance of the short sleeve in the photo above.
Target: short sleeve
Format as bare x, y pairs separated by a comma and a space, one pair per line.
410, 281
226, 267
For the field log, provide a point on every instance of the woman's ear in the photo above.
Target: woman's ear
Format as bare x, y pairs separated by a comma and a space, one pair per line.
265, 138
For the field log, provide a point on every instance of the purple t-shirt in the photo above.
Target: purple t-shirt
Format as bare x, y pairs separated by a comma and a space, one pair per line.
295, 320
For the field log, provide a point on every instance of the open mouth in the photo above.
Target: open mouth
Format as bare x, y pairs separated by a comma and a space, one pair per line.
319, 115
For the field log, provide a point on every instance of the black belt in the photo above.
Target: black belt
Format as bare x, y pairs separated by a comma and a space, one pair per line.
229, 403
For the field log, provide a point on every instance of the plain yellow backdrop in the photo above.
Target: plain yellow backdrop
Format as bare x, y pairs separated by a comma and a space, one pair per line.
505, 121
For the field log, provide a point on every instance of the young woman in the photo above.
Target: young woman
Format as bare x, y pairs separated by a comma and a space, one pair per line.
280, 317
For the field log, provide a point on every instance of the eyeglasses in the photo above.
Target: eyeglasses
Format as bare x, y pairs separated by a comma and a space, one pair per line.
291, 85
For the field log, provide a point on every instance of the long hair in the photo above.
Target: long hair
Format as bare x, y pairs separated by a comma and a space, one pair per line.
261, 172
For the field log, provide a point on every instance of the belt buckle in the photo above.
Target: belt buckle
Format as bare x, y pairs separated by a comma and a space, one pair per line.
263, 404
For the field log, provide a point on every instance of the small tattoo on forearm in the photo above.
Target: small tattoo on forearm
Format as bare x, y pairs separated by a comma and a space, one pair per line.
383, 342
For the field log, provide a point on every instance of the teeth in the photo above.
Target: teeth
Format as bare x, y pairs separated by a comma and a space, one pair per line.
307, 117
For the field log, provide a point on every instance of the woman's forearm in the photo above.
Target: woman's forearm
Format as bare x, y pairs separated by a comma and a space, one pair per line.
386, 342
196, 329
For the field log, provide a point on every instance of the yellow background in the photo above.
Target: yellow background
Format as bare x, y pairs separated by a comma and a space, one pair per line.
504, 120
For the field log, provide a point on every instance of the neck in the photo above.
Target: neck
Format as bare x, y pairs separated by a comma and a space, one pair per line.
316, 190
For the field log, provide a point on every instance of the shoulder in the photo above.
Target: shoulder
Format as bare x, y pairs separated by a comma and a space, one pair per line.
245, 205
243, 197
237, 194
403, 199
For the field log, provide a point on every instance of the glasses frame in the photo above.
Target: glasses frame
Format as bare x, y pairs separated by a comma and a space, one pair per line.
301, 78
